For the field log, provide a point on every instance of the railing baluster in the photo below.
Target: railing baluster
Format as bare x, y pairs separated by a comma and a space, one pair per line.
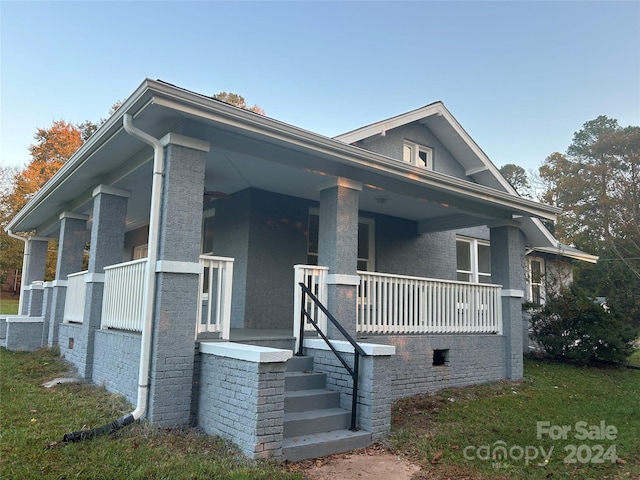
403, 304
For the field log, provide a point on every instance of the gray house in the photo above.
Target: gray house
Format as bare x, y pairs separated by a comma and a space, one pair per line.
204, 220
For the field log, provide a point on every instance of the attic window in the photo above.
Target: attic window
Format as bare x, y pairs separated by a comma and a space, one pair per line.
418, 155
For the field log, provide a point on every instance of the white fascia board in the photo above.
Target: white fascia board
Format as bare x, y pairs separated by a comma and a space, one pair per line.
390, 123
575, 255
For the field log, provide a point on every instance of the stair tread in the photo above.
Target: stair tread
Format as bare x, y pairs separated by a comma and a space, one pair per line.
316, 413
309, 392
323, 437
316, 445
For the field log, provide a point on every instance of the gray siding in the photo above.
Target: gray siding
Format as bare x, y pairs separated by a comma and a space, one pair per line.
266, 234
391, 146
132, 239
401, 250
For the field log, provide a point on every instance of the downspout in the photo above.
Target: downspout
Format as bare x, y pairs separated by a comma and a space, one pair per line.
149, 289
25, 260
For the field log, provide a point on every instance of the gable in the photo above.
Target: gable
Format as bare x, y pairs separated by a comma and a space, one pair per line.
445, 128
391, 145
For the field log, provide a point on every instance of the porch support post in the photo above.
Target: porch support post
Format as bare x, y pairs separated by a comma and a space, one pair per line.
176, 285
107, 244
508, 270
338, 250
36, 261
71, 242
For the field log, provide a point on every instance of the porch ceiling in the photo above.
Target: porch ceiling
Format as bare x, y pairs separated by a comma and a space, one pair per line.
249, 150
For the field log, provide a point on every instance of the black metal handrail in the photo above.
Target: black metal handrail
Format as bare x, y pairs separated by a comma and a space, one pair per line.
357, 349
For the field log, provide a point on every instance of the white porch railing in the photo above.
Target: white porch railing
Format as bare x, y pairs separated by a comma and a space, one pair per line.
214, 304
74, 299
315, 278
388, 303
402, 304
123, 300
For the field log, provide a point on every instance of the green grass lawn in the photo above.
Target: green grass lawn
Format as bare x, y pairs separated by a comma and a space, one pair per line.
33, 417
463, 429
9, 305
436, 431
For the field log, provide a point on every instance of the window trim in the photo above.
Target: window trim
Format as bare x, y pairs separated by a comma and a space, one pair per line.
416, 148
474, 273
531, 283
206, 215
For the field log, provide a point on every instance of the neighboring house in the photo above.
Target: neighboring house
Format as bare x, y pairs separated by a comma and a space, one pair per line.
404, 230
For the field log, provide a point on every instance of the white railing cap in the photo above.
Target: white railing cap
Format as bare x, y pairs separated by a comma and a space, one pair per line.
249, 353
371, 349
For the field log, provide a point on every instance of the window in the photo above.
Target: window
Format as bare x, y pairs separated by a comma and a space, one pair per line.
473, 260
141, 251
365, 241
417, 155
536, 275
207, 230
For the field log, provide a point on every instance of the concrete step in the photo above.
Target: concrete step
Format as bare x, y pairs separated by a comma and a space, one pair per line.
302, 400
323, 444
305, 380
315, 421
299, 364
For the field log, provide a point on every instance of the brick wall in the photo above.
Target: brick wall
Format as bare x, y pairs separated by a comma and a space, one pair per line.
470, 360
116, 362
243, 401
374, 384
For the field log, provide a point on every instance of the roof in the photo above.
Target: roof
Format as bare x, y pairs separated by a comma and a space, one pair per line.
252, 150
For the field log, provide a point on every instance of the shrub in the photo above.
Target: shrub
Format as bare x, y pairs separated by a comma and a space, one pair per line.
571, 326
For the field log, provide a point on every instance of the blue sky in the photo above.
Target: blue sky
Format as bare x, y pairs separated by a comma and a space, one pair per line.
521, 77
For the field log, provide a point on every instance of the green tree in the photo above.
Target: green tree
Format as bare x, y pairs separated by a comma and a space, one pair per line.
517, 177
237, 101
597, 185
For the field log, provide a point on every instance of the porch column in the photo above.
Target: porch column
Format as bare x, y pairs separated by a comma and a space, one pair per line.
35, 262
71, 242
338, 250
178, 268
508, 270
107, 244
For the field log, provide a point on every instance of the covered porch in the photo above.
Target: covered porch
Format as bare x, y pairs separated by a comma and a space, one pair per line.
201, 220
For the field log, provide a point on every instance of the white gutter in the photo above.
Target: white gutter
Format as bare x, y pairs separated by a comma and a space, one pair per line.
25, 263
150, 283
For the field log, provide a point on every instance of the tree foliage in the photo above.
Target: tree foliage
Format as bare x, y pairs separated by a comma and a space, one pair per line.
237, 101
52, 147
517, 177
597, 185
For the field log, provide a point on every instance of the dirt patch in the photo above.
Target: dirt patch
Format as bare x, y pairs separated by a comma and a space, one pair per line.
375, 462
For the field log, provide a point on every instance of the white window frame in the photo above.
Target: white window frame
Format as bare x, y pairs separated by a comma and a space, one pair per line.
475, 273
411, 154
531, 284
206, 214
370, 222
